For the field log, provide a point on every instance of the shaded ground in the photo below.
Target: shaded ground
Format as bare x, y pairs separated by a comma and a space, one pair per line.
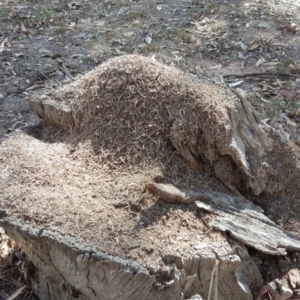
64, 186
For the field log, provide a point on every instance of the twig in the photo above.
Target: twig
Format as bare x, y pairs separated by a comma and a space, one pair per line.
17, 292
202, 65
216, 280
268, 74
13, 281
214, 270
243, 63
63, 68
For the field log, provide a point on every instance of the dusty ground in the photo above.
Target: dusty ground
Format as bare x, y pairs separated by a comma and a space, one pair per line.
63, 188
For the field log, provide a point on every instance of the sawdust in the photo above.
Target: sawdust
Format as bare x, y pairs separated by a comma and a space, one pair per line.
86, 176
134, 112
132, 107
46, 184
87, 179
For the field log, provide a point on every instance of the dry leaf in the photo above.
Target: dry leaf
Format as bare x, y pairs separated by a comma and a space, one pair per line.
271, 64
193, 39
237, 83
14, 245
291, 123
279, 44
24, 29
288, 94
292, 27
294, 68
2, 45
254, 45
215, 67
148, 39
260, 62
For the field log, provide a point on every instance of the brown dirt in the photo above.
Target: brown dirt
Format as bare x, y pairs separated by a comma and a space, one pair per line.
58, 185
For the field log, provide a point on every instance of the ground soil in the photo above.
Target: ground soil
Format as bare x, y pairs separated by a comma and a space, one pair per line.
61, 186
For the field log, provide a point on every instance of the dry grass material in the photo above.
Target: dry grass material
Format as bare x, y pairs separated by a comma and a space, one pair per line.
131, 107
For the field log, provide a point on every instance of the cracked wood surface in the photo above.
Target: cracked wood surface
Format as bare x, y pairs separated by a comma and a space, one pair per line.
67, 269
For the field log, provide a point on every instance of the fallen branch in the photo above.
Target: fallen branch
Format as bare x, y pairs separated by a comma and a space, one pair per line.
268, 74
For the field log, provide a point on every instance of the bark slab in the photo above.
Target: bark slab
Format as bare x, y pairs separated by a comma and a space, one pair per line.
235, 214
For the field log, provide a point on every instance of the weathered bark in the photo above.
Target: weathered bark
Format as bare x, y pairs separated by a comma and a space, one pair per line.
235, 214
51, 111
64, 268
